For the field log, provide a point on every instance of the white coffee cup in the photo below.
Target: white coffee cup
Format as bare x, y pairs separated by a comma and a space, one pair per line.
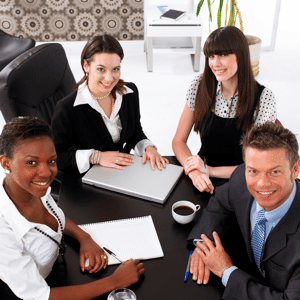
122, 294
184, 211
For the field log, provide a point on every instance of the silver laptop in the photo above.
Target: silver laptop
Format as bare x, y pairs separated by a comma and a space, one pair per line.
136, 180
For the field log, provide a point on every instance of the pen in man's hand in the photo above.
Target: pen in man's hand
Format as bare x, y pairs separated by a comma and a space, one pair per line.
112, 254
187, 272
205, 165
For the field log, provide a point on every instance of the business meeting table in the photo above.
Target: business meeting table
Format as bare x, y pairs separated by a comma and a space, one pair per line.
164, 277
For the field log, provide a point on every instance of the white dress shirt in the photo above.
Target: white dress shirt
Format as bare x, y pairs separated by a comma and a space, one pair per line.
84, 97
227, 108
26, 255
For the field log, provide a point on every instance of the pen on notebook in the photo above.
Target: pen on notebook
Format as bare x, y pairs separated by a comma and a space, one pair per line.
205, 165
187, 272
112, 254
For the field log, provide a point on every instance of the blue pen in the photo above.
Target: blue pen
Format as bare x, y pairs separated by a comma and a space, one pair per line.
188, 267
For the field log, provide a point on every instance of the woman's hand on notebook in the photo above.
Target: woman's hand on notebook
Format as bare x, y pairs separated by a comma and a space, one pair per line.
92, 257
128, 273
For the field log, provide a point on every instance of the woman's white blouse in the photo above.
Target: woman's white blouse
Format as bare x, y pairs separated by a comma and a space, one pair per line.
227, 108
26, 255
84, 97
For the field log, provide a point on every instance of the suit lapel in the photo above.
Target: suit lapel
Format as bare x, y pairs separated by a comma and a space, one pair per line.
244, 220
124, 115
97, 125
277, 238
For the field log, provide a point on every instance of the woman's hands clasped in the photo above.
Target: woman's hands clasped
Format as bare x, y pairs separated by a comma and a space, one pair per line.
155, 158
194, 167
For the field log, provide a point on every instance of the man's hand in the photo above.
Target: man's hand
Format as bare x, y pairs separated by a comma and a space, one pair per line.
213, 256
198, 269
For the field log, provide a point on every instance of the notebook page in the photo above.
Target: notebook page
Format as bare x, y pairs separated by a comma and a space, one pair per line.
127, 238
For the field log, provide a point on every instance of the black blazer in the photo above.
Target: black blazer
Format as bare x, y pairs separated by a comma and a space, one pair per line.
281, 258
81, 127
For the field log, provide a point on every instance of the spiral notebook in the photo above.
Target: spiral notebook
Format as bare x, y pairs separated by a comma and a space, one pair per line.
127, 238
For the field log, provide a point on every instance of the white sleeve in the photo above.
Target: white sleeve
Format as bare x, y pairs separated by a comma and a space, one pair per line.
83, 159
18, 270
192, 92
141, 146
267, 108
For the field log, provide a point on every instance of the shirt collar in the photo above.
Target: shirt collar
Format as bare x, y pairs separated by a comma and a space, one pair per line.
275, 215
19, 224
84, 97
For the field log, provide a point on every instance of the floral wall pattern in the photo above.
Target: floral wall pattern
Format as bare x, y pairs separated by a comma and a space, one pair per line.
72, 20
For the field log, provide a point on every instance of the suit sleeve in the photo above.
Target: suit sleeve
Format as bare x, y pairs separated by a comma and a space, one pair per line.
63, 137
216, 216
138, 133
242, 286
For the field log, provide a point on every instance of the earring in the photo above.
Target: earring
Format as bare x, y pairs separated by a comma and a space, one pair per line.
7, 171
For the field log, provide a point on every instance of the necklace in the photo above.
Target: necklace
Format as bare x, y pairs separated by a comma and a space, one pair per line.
62, 245
103, 117
98, 98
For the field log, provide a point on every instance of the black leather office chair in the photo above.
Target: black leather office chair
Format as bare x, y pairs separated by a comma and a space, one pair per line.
12, 46
33, 83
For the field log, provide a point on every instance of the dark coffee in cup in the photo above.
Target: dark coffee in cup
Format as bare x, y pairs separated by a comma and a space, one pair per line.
183, 210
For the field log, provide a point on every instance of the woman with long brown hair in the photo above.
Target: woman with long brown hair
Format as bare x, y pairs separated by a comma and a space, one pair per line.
222, 103
100, 122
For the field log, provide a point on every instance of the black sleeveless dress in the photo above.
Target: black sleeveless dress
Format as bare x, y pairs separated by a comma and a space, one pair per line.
221, 142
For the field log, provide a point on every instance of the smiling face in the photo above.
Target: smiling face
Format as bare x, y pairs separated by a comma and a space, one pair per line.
224, 67
269, 176
104, 72
32, 168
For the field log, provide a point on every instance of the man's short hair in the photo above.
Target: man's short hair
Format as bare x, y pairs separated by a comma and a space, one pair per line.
271, 136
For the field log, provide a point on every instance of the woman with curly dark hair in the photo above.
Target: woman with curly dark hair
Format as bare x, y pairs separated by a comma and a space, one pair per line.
32, 225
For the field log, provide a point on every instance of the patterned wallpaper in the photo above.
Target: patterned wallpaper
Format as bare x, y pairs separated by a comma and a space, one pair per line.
72, 20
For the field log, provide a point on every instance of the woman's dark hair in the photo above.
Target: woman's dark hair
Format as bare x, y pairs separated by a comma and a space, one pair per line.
226, 40
19, 129
102, 44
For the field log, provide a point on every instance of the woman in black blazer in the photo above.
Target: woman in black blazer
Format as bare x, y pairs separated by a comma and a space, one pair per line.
100, 121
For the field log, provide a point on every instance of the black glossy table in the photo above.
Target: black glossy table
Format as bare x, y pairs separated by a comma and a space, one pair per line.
164, 277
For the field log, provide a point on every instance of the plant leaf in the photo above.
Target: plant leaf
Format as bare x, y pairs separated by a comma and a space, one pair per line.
220, 13
232, 13
209, 8
199, 7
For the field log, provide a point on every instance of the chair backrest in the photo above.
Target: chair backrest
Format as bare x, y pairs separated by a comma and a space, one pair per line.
35, 81
12, 46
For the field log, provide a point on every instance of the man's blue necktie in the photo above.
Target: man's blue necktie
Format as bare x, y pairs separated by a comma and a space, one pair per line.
258, 236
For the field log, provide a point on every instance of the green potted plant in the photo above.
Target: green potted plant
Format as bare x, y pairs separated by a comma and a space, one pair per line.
232, 15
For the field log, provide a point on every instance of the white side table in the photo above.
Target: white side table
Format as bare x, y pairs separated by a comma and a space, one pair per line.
183, 35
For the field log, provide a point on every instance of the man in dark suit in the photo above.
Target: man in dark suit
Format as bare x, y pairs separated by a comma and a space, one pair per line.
263, 195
